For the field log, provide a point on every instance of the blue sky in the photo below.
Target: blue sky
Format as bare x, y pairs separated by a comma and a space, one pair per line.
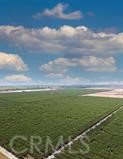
61, 42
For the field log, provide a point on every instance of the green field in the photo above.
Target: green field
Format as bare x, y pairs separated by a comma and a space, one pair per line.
105, 142
50, 114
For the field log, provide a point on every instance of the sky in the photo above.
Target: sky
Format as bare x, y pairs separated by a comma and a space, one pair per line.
61, 42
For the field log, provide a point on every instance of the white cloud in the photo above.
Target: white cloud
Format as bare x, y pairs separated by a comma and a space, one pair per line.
60, 66
17, 78
55, 75
58, 12
11, 62
97, 64
72, 41
68, 80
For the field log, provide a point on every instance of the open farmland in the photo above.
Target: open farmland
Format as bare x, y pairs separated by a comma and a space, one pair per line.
53, 113
105, 142
114, 93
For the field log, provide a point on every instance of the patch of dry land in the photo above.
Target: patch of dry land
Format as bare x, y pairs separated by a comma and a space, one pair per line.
115, 93
3, 156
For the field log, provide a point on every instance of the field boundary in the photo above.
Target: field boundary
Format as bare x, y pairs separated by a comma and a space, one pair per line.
7, 154
52, 156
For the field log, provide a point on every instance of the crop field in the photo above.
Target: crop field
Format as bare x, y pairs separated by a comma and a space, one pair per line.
54, 114
105, 142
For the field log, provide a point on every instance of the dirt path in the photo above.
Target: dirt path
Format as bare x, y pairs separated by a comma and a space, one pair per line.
4, 154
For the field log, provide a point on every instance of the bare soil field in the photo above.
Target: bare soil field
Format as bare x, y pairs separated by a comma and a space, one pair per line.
115, 93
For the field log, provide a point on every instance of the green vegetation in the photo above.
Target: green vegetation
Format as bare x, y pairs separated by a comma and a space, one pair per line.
105, 142
52, 114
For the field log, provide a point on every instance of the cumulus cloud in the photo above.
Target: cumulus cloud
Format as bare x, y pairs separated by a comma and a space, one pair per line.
68, 40
59, 12
55, 75
68, 80
60, 66
17, 78
12, 62
91, 63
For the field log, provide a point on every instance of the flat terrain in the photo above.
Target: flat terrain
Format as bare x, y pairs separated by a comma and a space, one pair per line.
105, 142
115, 93
53, 113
